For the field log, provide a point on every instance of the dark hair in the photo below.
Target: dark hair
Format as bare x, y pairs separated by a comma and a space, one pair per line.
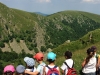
90, 53
93, 48
89, 50
20, 73
68, 54
50, 60
30, 67
8, 73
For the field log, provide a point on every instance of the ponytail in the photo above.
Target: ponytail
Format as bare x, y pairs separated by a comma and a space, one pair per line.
90, 53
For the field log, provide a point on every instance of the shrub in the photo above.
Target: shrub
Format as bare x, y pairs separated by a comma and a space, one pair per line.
43, 49
2, 44
36, 50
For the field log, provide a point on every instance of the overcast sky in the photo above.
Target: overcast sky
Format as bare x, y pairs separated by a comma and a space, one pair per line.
53, 6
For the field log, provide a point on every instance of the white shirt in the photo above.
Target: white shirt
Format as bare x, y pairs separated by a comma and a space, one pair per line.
90, 66
69, 63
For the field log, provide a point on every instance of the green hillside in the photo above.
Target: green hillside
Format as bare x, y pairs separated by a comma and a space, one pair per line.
43, 32
78, 48
90, 38
77, 13
68, 23
25, 33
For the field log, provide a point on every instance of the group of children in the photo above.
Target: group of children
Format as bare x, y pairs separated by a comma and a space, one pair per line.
89, 65
42, 68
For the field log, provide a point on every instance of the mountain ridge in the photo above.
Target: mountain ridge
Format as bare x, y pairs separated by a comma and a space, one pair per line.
23, 33
43, 32
41, 13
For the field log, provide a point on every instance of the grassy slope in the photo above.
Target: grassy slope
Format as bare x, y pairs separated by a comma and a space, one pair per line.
21, 19
25, 18
78, 50
78, 57
76, 13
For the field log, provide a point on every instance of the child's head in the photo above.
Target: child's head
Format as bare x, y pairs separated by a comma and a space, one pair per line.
39, 56
51, 57
29, 62
20, 70
94, 48
68, 54
9, 70
90, 52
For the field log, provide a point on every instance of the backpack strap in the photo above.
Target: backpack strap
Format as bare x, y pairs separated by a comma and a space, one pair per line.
32, 69
51, 68
97, 56
68, 66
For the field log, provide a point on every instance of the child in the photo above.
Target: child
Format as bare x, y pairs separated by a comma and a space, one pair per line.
97, 56
9, 70
51, 68
39, 58
89, 64
68, 61
30, 63
20, 70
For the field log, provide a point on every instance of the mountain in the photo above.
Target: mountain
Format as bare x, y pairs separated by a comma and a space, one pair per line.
41, 13
33, 32
23, 33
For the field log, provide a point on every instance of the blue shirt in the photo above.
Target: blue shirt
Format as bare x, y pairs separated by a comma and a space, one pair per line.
40, 68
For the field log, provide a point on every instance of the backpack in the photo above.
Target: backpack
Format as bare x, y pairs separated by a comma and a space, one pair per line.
71, 71
52, 71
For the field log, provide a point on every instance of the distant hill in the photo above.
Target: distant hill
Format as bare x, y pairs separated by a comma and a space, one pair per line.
42, 32
41, 13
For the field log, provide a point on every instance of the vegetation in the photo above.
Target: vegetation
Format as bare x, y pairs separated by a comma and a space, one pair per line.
78, 48
62, 26
12, 58
67, 30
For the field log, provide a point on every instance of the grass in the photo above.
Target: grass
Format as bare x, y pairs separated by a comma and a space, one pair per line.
23, 20
78, 50
78, 57
75, 13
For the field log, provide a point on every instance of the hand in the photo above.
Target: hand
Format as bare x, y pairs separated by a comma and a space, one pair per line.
26, 71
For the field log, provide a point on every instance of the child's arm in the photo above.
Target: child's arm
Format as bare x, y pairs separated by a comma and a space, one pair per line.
83, 63
32, 73
62, 69
44, 73
59, 70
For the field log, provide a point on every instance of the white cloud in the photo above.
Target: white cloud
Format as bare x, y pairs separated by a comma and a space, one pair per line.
47, 1
92, 1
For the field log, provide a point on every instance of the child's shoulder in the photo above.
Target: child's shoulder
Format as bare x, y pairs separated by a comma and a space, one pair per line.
97, 55
51, 66
68, 60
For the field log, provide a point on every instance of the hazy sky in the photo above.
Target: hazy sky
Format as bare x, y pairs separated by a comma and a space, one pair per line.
53, 6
